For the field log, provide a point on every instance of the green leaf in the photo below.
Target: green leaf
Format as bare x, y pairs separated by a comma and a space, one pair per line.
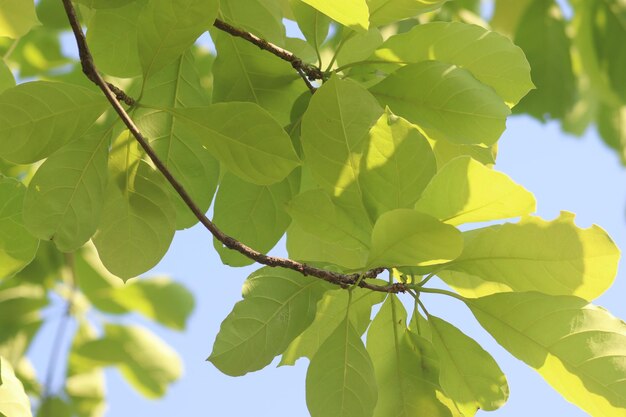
17, 246
611, 123
178, 86
335, 137
54, 406
331, 311
384, 12
138, 218
553, 257
244, 138
305, 246
492, 58
358, 46
541, 34
277, 305
397, 166
104, 4
313, 24
143, 359
469, 375
260, 17
243, 72
65, 197
112, 39
465, 191
340, 380
406, 367
17, 17
39, 52
167, 28
442, 100
7, 80
315, 212
13, 400
404, 237
578, 348
253, 214
37, 118
351, 13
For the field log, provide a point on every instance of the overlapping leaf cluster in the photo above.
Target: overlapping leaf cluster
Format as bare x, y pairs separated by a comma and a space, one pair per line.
376, 169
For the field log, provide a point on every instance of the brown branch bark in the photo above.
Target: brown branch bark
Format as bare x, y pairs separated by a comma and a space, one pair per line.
343, 280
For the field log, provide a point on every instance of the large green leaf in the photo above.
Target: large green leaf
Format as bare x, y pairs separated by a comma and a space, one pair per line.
492, 58
6, 77
260, 17
138, 218
315, 212
331, 310
541, 34
335, 137
17, 17
469, 375
112, 39
398, 165
404, 237
580, 349
143, 359
406, 366
243, 72
17, 246
277, 305
340, 380
253, 214
65, 197
37, 118
351, 13
383, 12
465, 191
442, 100
178, 86
553, 257
313, 24
166, 28
13, 400
244, 138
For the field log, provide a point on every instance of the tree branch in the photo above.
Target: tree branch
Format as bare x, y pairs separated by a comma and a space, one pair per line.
311, 71
343, 280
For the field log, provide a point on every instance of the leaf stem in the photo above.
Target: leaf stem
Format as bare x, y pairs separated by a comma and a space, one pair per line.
442, 292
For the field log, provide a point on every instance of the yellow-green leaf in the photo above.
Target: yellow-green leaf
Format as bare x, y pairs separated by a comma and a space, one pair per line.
6, 77
445, 101
351, 13
580, 349
469, 375
465, 191
13, 400
17, 17
383, 12
553, 257
340, 380
404, 237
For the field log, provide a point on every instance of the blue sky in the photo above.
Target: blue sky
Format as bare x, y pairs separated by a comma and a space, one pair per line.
565, 173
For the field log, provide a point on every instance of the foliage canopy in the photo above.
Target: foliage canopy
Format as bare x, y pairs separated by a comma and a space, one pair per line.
370, 144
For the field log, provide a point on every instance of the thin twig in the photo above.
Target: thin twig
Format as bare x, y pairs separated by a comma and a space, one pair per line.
311, 71
343, 280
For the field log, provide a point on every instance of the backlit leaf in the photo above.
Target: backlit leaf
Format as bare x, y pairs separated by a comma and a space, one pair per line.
492, 58
39, 117
442, 99
383, 12
340, 380
244, 138
277, 305
469, 375
313, 24
465, 191
13, 400
351, 13
580, 349
260, 17
138, 218
65, 197
17, 246
17, 17
253, 214
166, 28
6, 77
404, 237
553, 257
